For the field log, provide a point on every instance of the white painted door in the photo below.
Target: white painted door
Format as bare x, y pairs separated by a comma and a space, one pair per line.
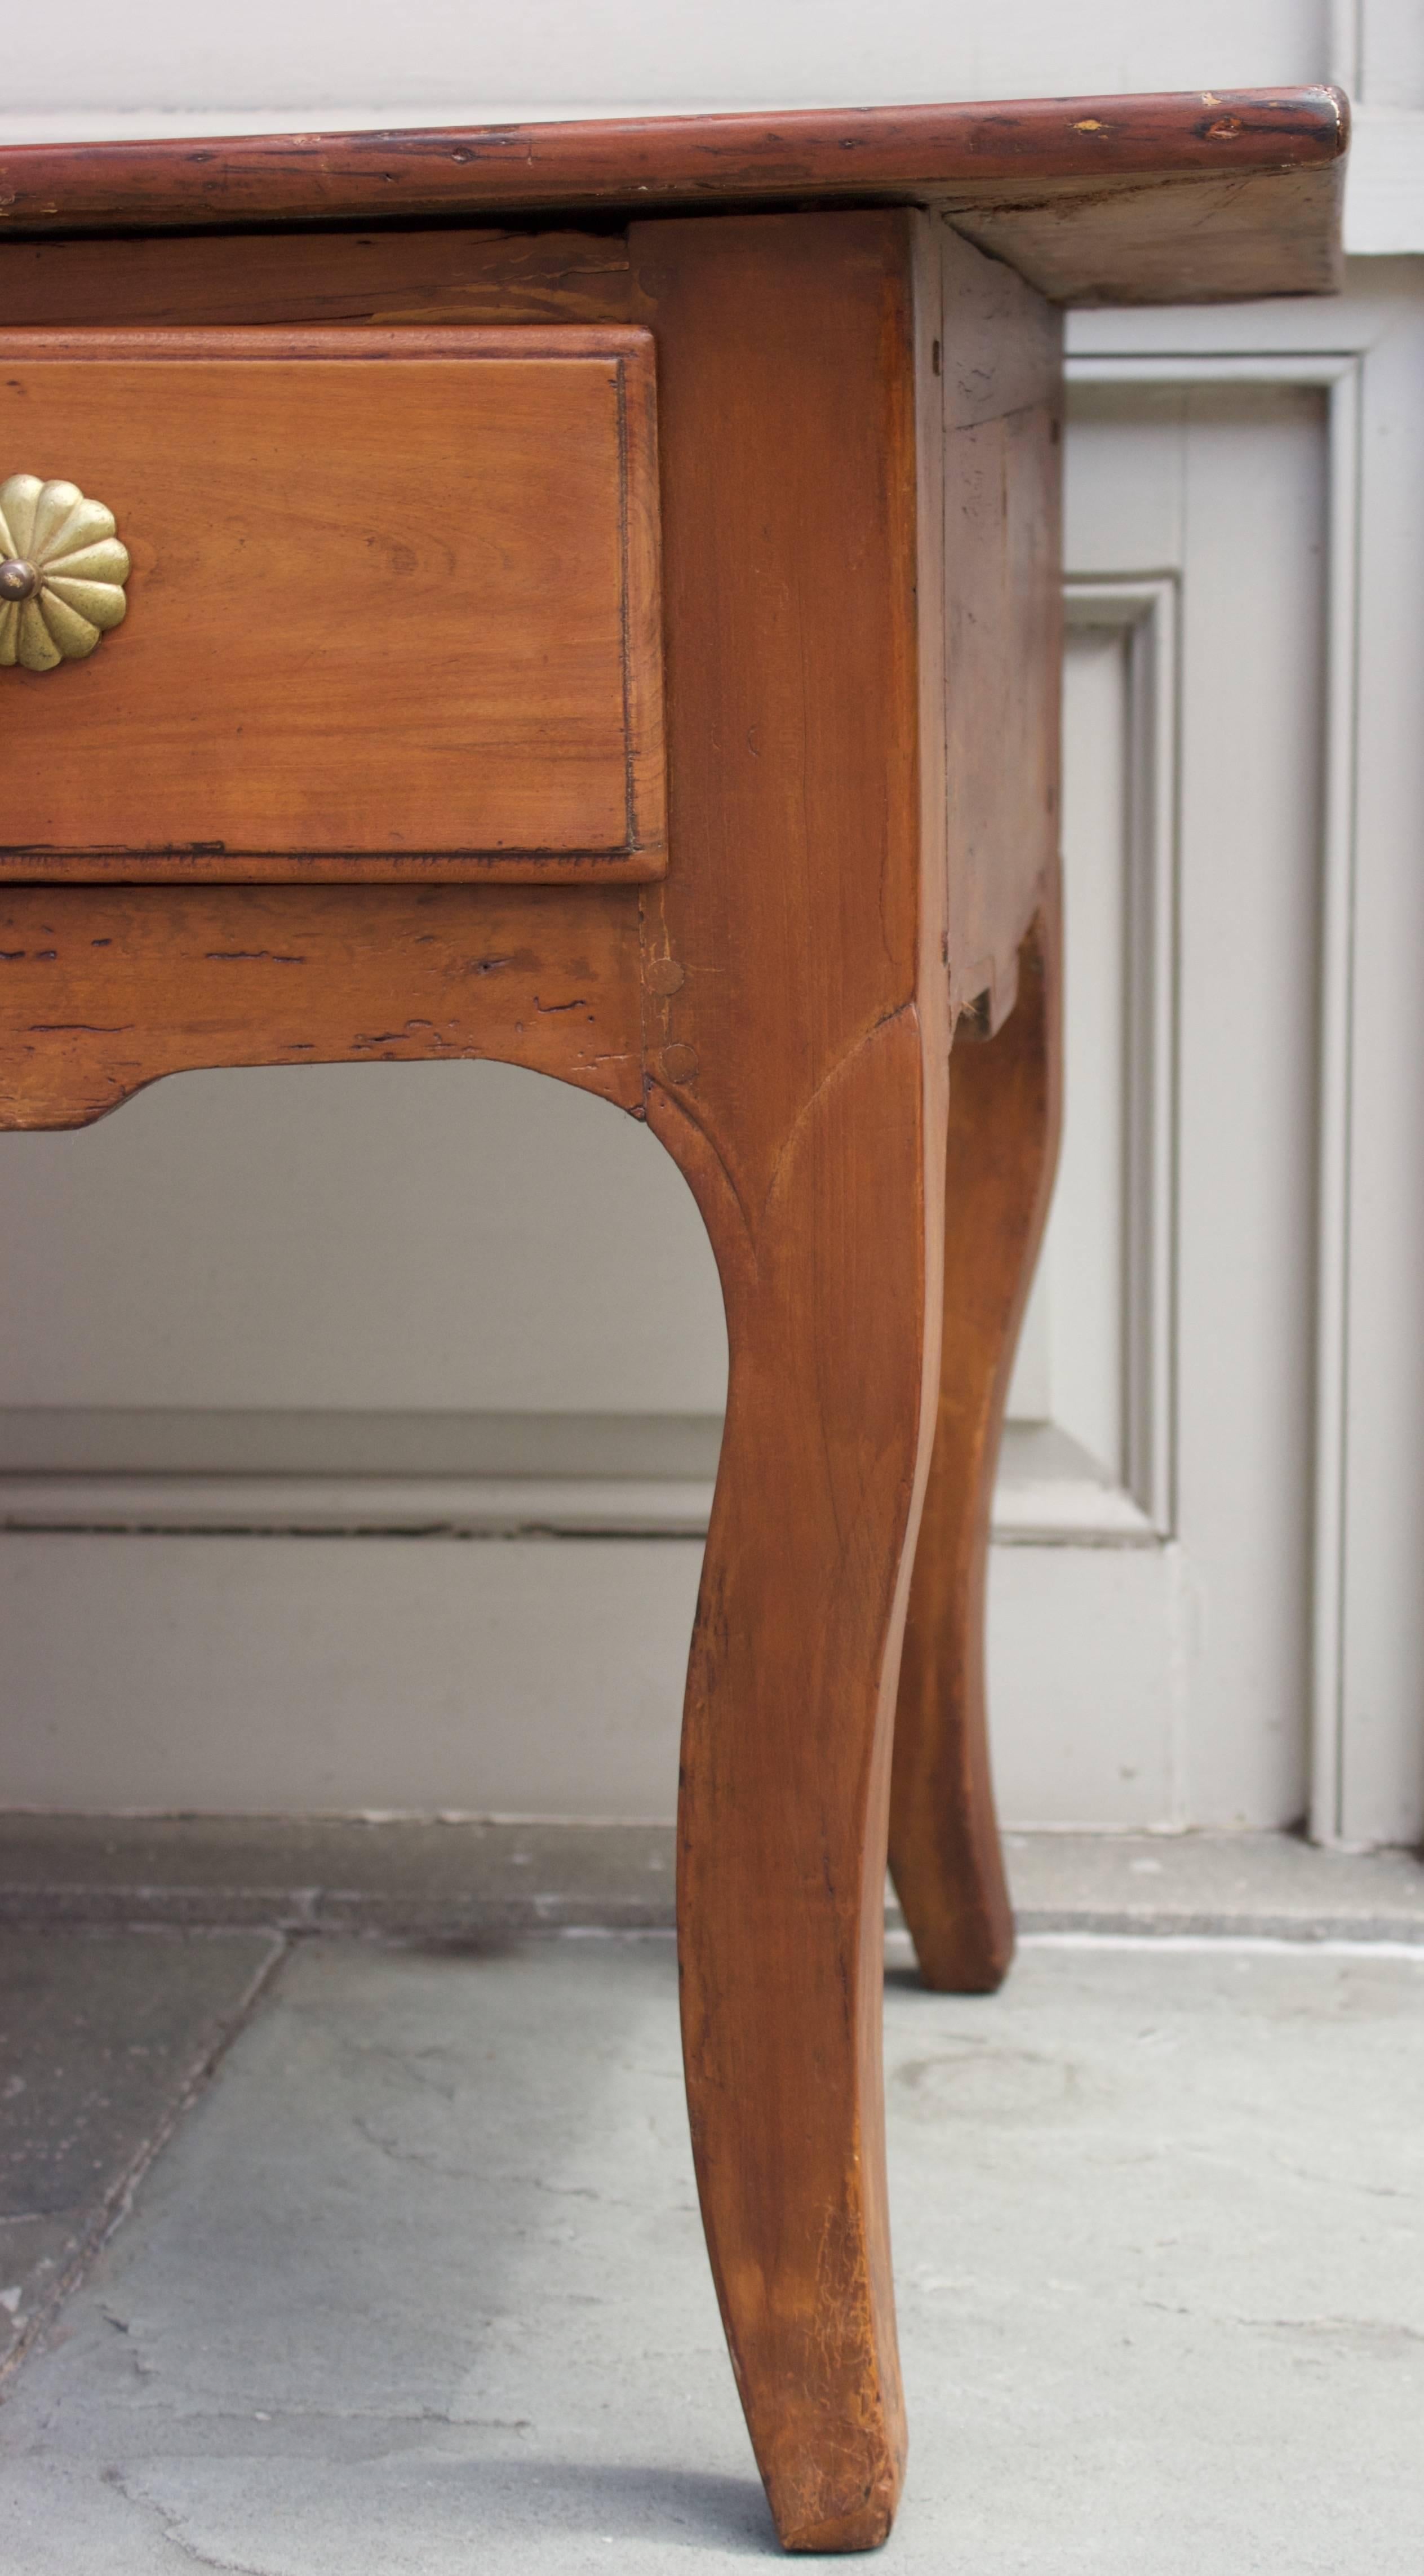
1150, 1617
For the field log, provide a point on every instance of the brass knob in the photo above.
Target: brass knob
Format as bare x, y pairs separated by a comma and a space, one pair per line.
62, 573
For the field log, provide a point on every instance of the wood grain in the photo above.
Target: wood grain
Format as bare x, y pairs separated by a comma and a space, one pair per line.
455, 527
1003, 552
1005, 1113
105, 989
1142, 239
1002, 397
1086, 235
796, 1046
442, 274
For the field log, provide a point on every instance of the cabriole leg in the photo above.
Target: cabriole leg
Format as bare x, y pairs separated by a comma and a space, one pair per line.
1004, 1118
833, 1317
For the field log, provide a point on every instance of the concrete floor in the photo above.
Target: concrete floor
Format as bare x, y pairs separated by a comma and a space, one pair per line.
416, 2283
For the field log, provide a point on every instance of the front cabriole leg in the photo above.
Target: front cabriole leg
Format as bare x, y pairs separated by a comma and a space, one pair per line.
797, 1045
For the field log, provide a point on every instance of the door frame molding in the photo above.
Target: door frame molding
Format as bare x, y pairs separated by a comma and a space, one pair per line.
1339, 374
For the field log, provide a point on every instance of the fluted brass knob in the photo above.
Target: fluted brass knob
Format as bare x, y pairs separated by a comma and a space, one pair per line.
62, 573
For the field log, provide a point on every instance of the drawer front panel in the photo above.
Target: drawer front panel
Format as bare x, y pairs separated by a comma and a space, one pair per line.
393, 606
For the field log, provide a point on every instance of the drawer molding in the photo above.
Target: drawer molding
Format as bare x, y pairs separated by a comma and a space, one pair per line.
395, 606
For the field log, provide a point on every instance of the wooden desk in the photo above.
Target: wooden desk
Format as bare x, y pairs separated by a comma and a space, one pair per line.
589, 597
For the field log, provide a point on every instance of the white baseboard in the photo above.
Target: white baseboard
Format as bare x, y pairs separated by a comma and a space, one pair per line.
222, 1675
230, 1613
526, 1676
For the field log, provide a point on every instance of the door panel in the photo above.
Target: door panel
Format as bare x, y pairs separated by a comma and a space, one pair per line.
1167, 1369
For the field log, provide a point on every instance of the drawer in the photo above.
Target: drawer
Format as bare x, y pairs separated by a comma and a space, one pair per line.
393, 605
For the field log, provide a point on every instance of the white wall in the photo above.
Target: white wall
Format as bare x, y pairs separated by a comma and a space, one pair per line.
159, 65
376, 1299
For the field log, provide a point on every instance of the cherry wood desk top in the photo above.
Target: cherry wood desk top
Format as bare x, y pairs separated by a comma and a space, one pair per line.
1187, 198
